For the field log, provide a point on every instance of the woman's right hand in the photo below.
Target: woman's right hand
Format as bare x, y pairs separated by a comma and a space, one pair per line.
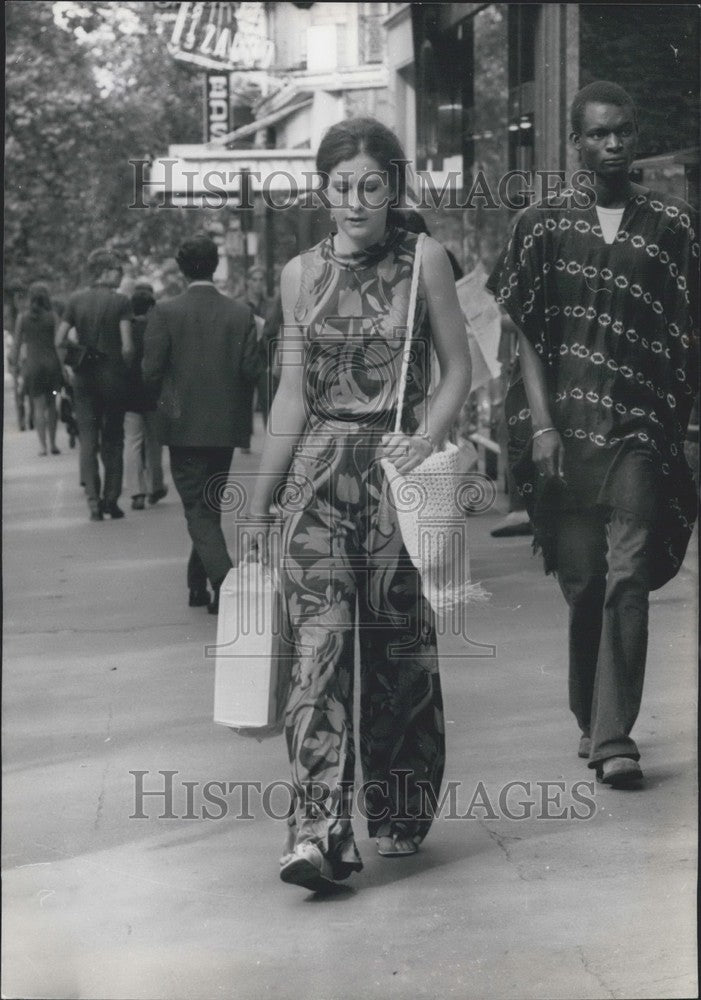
549, 454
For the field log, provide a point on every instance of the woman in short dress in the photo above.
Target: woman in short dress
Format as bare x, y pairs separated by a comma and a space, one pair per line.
41, 369
345, 305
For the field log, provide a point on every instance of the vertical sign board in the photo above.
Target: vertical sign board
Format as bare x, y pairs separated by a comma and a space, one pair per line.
217, 105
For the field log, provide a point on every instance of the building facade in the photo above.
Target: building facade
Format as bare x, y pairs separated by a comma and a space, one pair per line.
326, 62
483, 89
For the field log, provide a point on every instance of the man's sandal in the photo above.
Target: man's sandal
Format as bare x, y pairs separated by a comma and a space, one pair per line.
619, 772
395, 844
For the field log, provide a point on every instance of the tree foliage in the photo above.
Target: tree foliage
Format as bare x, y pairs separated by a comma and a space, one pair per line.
89, 86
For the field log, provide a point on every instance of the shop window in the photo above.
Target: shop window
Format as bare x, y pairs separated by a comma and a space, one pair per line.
652, 54
522, 22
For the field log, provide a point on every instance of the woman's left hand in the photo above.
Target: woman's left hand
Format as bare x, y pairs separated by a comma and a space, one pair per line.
405, 452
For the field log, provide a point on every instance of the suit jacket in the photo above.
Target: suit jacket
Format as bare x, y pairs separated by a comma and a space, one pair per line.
201, 351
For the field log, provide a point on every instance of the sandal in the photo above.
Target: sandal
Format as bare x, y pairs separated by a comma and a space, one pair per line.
395, 844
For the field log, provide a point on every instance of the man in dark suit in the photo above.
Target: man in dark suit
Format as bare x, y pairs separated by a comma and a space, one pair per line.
201, 351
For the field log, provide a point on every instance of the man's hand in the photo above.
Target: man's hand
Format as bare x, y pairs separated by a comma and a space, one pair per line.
549, 454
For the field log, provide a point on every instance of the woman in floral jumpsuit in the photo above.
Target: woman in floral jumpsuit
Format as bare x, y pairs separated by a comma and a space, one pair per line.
343, 565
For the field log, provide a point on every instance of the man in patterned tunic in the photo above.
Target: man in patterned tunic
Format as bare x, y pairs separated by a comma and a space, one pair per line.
605, 298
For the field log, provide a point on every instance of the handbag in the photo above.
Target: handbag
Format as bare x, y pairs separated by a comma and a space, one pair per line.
83, 359
432, 501
253, 653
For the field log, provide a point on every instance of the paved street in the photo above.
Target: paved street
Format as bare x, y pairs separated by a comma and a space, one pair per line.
104, 674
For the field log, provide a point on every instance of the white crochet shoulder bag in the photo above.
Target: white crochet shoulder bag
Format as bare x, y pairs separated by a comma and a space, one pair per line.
432, 501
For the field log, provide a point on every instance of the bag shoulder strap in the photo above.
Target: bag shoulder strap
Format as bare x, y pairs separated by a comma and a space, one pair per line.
409, 329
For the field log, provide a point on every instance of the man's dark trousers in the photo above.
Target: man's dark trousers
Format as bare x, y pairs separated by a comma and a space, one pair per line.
603, 571
100, 418
192, 469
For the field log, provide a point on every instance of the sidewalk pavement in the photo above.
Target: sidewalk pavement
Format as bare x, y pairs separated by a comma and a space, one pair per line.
104, 675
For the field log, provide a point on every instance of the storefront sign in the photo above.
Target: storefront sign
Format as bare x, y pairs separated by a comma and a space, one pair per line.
217, 105
222, 36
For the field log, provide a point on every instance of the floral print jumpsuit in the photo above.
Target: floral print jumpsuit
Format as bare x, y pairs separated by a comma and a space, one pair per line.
344, 564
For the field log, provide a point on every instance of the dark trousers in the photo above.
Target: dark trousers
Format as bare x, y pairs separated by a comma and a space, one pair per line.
100, 420
192, 470
603, 573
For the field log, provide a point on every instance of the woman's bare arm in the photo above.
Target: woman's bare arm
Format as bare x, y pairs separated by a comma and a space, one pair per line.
450, 342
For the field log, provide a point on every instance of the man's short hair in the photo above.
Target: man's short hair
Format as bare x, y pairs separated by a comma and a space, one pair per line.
599, 92
198, 258
100, 261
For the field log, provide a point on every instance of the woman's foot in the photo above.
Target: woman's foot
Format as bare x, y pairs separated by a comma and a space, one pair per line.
307, 867
54, 450
43, 452
138, 501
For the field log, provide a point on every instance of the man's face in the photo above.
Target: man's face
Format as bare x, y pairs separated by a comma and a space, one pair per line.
607, 141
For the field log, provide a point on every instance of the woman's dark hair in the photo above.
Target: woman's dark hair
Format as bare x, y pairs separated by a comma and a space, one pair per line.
39, 299
414, 222
599, 92
198, 258
141, 301
348, 138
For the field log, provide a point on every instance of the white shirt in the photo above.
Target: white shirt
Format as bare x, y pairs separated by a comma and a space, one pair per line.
609, 220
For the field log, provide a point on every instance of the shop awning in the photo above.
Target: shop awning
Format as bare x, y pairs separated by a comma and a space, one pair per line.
272, 119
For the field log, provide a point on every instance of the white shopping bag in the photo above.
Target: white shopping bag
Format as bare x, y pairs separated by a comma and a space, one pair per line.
252, 655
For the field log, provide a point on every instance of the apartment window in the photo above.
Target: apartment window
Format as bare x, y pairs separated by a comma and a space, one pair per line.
371, 32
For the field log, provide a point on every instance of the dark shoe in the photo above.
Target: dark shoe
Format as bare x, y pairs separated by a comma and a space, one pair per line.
619, 772
158, 495
138, 502
584, 749
55, 451
308, 868
96, 511
199, 598
113, 509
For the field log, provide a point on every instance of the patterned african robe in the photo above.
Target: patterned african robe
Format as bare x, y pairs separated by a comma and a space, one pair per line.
616, 327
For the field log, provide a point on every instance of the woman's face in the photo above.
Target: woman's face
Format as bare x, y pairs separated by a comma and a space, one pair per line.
359, 194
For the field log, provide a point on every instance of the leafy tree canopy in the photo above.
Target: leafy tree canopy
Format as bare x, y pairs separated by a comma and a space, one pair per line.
89, 86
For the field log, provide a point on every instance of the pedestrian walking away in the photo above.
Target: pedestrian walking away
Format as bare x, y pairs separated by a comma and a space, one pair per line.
102, 320
605, 297
142, 448
345, 306
35, 357
200, 351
